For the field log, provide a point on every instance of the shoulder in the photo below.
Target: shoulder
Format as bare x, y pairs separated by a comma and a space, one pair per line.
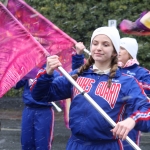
144, 69
126, 79
127, 76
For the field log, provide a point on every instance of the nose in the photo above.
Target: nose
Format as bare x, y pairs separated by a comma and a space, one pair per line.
119, 52
99, 47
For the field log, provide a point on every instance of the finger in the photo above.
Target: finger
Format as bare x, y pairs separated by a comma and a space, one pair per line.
114, 130
117, 130
122, 132
125, 134
52, 57
53, 61
54, 64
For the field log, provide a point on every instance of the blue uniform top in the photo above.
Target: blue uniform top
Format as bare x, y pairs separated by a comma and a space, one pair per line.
27, 97
124, 96
140, 73
77, 61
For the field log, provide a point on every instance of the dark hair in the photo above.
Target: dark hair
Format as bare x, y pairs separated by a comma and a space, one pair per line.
114, 67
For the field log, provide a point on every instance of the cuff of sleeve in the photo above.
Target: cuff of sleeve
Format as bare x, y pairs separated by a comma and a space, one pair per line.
48, 77
78, 56
134, 118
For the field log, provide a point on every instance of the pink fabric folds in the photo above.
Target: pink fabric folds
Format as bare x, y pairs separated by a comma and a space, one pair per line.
140, 27
54, 40
19, 51
26, 38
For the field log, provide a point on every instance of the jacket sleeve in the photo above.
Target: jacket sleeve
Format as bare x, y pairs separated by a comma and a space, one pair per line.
77, 61
138, 107
145, 80
49, 88
20, 84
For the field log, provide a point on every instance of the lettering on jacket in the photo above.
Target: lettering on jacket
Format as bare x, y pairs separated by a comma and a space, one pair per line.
108, 94
131, 73
85, 84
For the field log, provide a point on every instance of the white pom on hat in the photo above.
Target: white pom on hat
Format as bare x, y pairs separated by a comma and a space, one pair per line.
112, 33
131, 45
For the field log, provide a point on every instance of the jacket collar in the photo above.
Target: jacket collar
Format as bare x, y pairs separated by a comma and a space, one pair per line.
98, 71
118, 72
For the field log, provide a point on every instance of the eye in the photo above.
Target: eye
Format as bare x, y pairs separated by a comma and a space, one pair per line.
122, 48
106, 44
95, 43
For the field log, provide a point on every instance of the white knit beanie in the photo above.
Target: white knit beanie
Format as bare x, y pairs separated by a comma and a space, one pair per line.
112, 33
131, 45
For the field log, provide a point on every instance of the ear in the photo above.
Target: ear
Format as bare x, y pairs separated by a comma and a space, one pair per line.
114, 54
130, 57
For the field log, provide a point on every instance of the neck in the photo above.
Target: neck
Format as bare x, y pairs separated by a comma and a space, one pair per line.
102, 66
124, 63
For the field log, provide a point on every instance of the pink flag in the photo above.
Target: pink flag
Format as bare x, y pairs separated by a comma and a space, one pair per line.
19, 51
54, 40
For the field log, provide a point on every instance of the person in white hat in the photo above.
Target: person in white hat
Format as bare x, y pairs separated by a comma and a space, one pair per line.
128, 51
127, 60
103, 81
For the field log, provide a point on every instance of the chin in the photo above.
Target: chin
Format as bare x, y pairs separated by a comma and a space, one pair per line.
100, 60
119, 59
97, 59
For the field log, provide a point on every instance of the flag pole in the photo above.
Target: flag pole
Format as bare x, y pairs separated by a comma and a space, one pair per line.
95, 105
57, 108
87, 51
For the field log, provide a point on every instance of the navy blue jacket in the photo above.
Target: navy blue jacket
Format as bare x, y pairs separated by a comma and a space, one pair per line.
124, 97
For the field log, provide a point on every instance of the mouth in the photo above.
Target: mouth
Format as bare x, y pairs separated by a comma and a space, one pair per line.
98, 54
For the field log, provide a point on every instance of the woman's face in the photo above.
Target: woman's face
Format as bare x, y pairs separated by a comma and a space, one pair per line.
102, 49
123, 56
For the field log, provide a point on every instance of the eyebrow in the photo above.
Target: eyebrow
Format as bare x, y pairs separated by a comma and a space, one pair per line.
102, 41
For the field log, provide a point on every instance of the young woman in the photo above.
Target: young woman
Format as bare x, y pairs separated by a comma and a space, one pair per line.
39, 116
37, 120
127, 59
129, 65
128, 62
103, 81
